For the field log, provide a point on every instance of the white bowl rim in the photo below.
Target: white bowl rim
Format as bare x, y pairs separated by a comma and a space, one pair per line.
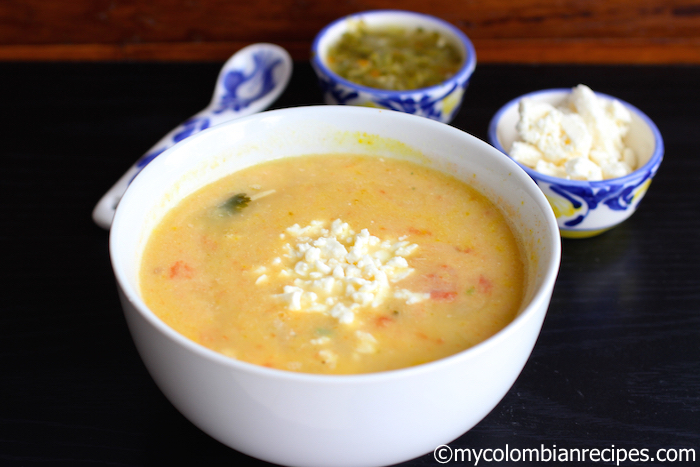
537, 301
655, 159
464, 72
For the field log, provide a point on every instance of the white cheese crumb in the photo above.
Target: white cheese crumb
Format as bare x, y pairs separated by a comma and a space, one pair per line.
367, 344
335, 271
526, 153
261, 195
549, 168
616, 169
261, 279
411, 297
581, 139
582, 168
328, 358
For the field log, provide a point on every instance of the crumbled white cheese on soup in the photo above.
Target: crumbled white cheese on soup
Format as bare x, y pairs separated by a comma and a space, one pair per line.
337, 271
328, 357
581, 139
368, 344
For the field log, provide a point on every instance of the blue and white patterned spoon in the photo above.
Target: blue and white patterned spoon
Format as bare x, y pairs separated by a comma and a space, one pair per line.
249, 82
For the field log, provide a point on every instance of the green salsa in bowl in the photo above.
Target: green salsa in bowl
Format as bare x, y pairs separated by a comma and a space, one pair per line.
394, 59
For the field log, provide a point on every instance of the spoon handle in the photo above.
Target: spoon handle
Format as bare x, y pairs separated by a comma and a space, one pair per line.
104, 210
249, 82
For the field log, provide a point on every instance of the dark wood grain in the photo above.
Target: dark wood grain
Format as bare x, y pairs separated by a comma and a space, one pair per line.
617, 362
513, 31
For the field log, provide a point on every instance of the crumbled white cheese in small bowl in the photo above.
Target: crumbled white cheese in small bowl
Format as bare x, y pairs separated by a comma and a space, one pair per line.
592, 155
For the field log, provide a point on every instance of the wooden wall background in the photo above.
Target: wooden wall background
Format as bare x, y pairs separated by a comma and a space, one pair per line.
503, 31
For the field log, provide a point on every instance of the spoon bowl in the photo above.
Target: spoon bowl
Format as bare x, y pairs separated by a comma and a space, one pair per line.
249, 82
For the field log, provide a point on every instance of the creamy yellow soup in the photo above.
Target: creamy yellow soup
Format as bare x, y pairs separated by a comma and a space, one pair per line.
335, 264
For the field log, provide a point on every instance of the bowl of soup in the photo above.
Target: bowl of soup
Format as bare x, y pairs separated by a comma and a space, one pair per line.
334, 285
394, 59
593, 155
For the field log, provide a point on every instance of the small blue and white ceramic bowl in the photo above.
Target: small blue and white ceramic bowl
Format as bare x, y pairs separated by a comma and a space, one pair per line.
588, 208
440, 102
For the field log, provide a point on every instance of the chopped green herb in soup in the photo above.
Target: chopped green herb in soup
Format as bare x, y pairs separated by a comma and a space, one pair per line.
394, 58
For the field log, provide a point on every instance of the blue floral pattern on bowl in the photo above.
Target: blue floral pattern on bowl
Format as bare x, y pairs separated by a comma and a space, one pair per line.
440, 102
591, 209
440, 105
615, 197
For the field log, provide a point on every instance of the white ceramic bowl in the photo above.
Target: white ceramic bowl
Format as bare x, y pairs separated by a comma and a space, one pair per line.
585, 209
440, 102
316, 420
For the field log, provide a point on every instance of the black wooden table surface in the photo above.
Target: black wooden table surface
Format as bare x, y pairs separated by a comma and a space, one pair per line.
617, 362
